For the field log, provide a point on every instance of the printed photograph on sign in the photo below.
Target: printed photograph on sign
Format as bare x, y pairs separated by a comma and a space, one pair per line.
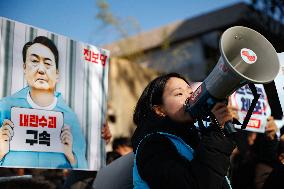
53, 99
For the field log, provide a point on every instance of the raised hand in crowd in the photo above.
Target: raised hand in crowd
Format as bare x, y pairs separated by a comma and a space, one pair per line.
270, 128
106, 134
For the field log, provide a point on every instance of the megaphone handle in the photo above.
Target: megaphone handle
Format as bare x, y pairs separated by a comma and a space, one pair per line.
229, 128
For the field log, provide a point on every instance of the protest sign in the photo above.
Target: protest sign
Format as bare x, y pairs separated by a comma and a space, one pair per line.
36, 130
53, 93
242, 98
279, 81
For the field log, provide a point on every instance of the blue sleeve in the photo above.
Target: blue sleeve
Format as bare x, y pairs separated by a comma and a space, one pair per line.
5, 112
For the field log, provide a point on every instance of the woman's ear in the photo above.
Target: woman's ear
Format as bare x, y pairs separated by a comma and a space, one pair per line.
159, 111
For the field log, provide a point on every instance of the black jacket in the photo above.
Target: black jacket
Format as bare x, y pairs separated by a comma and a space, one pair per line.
251, 166
161, 166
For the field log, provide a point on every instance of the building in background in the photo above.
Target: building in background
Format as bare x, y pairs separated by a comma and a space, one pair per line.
189, 47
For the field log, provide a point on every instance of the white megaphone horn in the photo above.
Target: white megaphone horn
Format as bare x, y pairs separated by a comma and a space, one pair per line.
246, 57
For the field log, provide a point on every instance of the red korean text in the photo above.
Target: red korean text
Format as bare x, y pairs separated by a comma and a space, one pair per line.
95, 57
32, 120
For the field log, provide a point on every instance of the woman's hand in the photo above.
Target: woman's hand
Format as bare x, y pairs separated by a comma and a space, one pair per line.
6, 134
67, 141
222, 113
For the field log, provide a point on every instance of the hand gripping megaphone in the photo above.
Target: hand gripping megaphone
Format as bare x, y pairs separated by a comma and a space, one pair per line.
247, 57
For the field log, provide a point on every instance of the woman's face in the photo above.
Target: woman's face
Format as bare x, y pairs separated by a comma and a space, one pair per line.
175, 94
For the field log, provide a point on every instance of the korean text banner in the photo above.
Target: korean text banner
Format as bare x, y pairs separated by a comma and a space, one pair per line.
242, 98
53, 93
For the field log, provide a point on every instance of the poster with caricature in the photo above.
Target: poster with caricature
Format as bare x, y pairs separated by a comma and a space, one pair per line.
53, 96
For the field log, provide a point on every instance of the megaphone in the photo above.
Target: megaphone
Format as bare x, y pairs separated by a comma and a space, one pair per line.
247, 57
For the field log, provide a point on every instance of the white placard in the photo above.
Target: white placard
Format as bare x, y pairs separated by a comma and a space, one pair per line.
242, 99
36, 130
279, 81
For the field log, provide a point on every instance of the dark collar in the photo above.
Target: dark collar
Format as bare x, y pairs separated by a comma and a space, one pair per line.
187, 132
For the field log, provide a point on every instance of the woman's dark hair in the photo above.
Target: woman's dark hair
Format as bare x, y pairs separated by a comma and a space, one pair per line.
152, 95
44, 41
